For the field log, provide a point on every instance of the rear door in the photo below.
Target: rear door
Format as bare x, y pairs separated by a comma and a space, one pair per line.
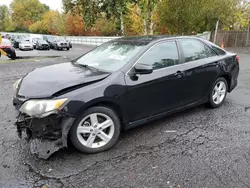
200, 66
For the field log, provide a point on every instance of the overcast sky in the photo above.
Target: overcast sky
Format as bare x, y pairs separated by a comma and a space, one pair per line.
53, 4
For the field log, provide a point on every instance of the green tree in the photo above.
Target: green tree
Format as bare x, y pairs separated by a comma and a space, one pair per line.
186, 16
54, 22
26, 12
147, 9
88, 9
6, 23
116, 9
38, 27
133, 20
105, 27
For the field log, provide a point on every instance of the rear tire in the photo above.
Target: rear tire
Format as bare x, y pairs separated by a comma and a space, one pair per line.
12, 55
96, 130
218, 93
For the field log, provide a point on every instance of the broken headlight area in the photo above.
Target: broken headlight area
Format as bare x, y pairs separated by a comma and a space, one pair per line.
47, 134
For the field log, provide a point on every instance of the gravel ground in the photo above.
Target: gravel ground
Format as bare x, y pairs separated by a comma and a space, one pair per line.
199, 147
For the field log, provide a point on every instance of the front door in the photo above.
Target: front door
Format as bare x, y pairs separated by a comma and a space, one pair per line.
160, 91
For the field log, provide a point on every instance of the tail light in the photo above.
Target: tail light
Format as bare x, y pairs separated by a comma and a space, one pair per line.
238, 58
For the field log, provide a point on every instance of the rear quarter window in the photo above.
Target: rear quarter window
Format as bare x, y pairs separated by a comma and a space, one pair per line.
195, 50
216, 48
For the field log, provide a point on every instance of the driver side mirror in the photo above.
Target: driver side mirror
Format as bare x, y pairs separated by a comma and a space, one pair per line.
143, 68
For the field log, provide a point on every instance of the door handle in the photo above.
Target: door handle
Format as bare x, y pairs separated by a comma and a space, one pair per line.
179, 74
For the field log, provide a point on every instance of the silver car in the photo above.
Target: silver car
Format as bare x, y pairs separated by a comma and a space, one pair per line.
61, 44
25, 45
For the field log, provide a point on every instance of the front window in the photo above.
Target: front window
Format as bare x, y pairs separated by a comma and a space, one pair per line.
111, 56
161, 55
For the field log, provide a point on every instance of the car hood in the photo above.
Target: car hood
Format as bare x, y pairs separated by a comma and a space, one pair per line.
47, 81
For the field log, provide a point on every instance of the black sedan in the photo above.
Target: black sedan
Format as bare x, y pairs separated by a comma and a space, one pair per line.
42, 45
119, 85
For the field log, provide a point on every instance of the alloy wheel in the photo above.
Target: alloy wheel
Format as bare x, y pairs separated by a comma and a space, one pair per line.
219, 92
95, 130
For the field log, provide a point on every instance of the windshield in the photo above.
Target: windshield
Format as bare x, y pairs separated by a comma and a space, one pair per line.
25, 42
41, 41
111, 56
35, 39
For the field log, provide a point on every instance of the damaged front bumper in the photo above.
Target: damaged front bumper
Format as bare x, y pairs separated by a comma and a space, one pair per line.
46, 135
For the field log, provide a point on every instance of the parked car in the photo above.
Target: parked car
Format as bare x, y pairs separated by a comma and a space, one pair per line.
7, 47
25, 45
119, 85
70, 44
51, 43
34, 41
50, 40
42, 45
16, 40
61, 44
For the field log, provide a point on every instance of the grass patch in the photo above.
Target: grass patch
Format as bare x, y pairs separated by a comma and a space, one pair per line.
14, 61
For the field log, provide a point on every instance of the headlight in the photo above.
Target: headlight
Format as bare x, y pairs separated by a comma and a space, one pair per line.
16, 84
41, 107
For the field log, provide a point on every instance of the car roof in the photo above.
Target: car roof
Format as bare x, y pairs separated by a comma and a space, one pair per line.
150, 38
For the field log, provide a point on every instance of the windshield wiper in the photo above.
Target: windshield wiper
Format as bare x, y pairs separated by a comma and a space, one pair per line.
84, 65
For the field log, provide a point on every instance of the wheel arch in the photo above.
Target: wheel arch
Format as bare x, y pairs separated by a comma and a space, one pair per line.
228, 78
109, 104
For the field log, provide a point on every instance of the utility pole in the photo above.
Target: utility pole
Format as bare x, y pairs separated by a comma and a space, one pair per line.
247, 33
216, 31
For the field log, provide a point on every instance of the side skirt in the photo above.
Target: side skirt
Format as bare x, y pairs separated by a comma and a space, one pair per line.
164, 114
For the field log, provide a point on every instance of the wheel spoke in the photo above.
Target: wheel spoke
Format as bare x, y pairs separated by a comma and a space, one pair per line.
215, 96
83, 129
102, 135
222, 92
93, 119
220, 86
90, 140
217, 87
105, 124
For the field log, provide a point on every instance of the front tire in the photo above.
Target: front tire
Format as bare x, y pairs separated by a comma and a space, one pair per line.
96, 130
218, 93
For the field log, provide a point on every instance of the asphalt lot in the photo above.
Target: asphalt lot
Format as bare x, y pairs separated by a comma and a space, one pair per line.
199, 147
31, 54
